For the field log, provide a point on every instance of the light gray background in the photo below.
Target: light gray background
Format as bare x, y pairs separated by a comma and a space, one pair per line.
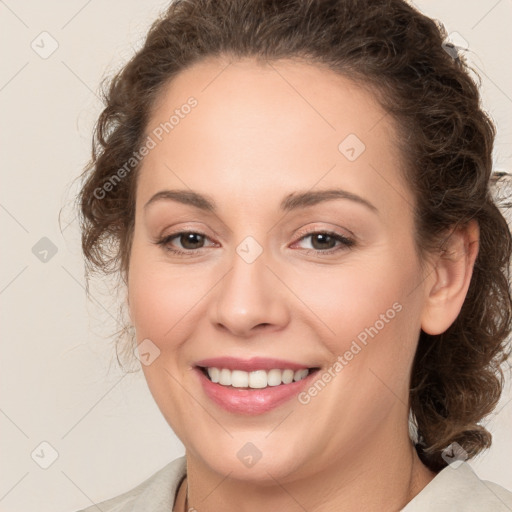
59, 380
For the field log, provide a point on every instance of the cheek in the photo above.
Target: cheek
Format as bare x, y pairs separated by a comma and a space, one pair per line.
162, 300
166, 301
372, 325
373, 330
361, 300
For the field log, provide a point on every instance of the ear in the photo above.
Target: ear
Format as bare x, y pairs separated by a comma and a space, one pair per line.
449, 280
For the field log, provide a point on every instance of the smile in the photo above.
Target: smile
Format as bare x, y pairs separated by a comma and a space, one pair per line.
253, 386
258, 379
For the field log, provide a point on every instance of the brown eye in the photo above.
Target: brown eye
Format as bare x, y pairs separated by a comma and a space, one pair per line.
185, 242
321, 241
325, 242
191, 240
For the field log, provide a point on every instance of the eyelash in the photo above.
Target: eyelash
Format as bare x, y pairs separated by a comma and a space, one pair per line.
345, 242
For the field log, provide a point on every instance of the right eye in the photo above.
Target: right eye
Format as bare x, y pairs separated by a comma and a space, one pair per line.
190, 242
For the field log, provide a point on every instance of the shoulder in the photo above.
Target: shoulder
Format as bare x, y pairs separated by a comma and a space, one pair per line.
457, 487
157, 493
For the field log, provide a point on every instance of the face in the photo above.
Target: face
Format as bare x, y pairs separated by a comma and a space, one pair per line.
240, 253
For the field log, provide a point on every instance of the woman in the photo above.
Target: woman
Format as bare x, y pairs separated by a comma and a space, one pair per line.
296, 196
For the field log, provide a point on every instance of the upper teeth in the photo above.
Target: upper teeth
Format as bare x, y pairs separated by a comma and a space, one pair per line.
256, 379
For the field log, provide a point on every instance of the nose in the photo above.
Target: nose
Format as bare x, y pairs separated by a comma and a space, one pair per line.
249, 299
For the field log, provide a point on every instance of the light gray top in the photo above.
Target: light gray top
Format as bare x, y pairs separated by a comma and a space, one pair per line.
455, 488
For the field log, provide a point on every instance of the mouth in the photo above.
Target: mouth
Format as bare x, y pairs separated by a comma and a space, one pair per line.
257, 379
253, 386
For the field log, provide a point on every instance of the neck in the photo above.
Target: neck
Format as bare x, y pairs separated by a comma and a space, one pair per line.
373, 476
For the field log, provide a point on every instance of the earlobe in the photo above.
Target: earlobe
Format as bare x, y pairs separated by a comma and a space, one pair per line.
450, 278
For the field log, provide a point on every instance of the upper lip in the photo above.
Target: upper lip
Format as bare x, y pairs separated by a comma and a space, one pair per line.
250, 365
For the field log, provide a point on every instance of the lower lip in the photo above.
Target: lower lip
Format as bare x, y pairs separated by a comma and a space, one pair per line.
251, 401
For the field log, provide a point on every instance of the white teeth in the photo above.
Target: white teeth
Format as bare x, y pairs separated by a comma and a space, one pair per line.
214, 374
287, 376
239, 379
258, 379
274, 377
225, 377
300, 374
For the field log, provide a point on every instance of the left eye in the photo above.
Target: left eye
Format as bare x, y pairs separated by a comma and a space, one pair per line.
325, 241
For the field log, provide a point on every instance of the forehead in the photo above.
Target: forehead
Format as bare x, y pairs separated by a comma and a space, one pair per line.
262, 129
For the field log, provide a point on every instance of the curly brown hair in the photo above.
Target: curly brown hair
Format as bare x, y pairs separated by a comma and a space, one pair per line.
446, 142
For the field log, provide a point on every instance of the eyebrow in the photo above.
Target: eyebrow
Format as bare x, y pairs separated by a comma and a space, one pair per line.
291, 202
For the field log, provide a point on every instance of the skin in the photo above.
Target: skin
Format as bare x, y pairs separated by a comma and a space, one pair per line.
259, 133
